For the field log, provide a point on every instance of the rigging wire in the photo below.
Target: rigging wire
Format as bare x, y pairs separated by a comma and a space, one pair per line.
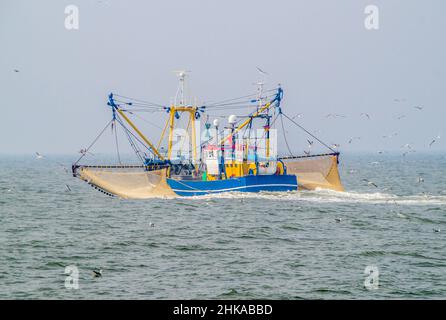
94, 141
147, 121
284, 136
116, 141
309, 133
138, 100
132, 143
242, 97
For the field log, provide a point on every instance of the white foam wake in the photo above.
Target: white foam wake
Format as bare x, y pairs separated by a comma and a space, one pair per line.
324, 196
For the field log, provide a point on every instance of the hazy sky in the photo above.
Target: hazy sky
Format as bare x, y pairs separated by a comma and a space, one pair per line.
320, 51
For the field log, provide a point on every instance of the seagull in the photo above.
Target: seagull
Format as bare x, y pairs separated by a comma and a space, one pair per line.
307, 152
365, 114
335, 145
84, 151
68, 188
97, 273
310, 143
390, 135
16, 70
401, 116
407, 152
338, 219
39, 156
434, 140
370, 183
299, 115
437, 230
63, 167
353, 138
331, 115
151, 224
261, 71
420, 179
419, 108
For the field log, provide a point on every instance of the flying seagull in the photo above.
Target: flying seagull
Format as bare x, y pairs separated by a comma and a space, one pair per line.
310, 143
261, 71
299, 115
63, 167
332, 115
84, 151
370, 183
16, 70
365, 114
407, 152
401, 117
353, 138
39, 156
434, 140
419, 108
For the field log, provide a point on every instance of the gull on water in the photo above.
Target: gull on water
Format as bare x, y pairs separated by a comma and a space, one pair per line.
97, 273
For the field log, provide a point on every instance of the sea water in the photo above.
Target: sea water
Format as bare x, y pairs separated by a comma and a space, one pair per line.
296, 245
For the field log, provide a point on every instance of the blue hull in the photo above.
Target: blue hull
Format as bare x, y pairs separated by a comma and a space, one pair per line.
243, 184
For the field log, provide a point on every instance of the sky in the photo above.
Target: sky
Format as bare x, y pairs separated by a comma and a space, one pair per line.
321, 53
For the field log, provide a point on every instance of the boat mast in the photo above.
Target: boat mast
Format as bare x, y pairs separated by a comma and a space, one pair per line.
181, 106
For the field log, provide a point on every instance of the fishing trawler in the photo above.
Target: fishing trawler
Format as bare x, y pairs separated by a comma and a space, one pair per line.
238, 157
